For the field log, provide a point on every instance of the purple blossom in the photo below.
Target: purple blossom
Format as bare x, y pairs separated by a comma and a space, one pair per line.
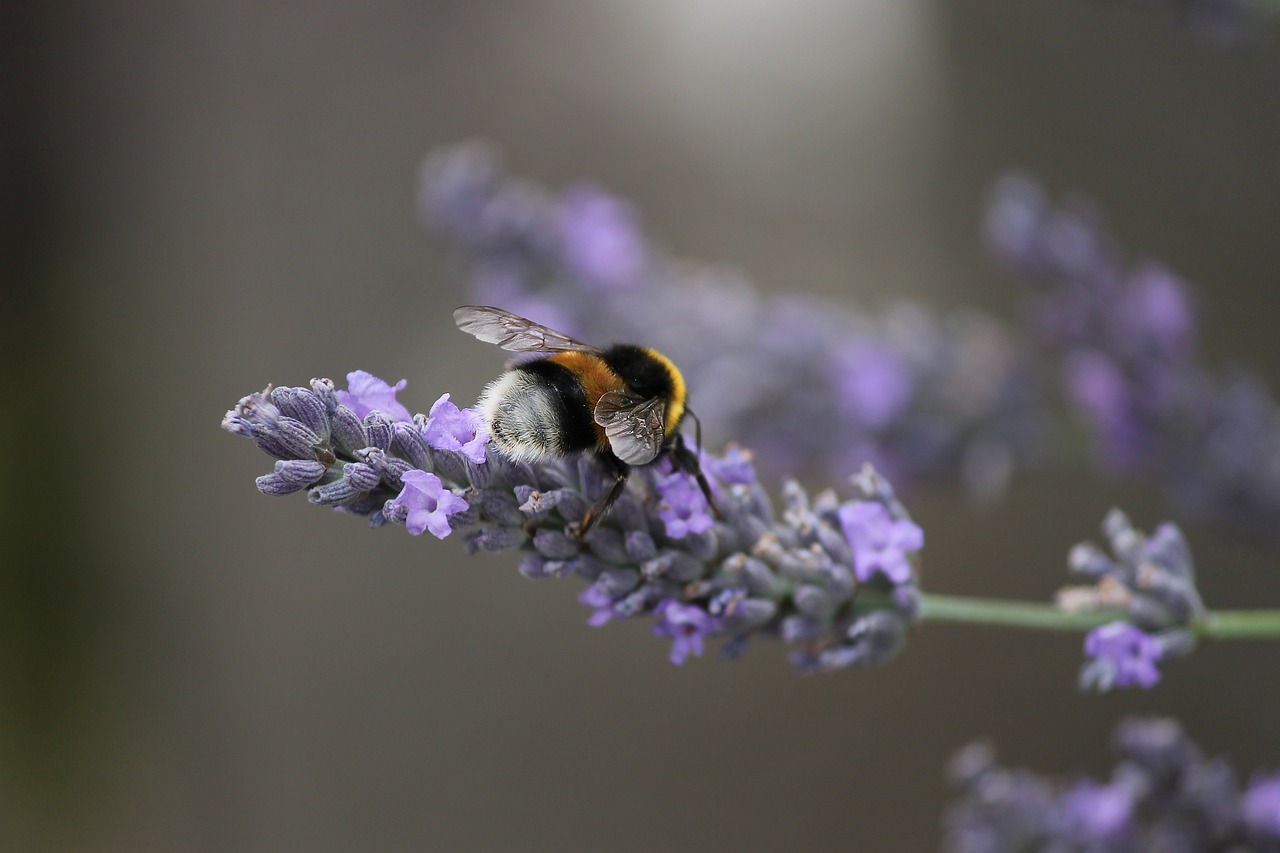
1164, 794
1155, 312
601, 603
1097, 813
873, 383
685, 625
879, 543
682, 507
367, 393
735, 467
428, 504
1123, 656
459, 430
1260, 806
602, 240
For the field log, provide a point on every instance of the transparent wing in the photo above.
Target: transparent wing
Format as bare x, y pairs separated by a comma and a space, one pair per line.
512, 333
634, 426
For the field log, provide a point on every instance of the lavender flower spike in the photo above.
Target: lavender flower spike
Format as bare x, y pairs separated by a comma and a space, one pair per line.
660, 553
1163, 794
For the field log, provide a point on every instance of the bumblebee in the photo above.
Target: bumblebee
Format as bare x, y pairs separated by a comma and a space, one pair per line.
623, 404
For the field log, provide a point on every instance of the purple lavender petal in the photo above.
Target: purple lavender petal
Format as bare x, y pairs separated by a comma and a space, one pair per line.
429, 504
367, 393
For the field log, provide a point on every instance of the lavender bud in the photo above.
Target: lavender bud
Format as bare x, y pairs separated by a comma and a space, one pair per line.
799, 629
1169, 548
705, 545
681, 567
794, 498
499, 507
880, 636
617, 582
300, 472
906, 602
390, 468
554, 545
296, 438
366, 505
361, 477
380, 430
813, 603
640, 546
749, 614
1087, 562
273, 485
335, 494
570, 505
407, 441
608, 544
348, 430
629, 513
479, 474
304, 406
1178, 595
1176, 644
539, 568
493, 539
325, 393
450, 466
395, 513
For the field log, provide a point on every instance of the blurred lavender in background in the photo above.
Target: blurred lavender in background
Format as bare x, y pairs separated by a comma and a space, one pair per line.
1163, 794
814, 386
1124, 334
818, 386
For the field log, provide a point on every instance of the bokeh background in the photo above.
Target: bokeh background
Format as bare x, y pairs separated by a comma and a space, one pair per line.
205, 197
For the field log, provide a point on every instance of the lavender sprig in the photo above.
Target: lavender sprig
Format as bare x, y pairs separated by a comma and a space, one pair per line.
1164, 794
833, 578
1126, 338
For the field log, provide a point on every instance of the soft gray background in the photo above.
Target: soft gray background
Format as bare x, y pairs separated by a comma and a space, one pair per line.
205, 197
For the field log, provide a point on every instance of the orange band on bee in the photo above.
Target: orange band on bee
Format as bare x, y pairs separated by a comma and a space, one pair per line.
597, 380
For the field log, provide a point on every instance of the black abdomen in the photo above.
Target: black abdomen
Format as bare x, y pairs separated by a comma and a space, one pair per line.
573, 416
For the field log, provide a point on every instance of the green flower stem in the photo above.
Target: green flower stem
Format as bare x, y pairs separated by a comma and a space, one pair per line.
1222, 625
1013, 614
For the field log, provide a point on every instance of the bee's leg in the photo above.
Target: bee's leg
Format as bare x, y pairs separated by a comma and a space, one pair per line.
688, 462
621, 471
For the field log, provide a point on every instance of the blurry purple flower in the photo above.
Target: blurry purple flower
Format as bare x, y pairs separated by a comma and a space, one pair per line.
1260, 807
683, 508
1156, 312
601, 234
1094, 813
1098, 389
459, 430
367, 393
1165, 795
873, 383
1096, 386
1123, 656
601, 602
428, 502
879, 543
736, 467
1014, 219
685, 625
